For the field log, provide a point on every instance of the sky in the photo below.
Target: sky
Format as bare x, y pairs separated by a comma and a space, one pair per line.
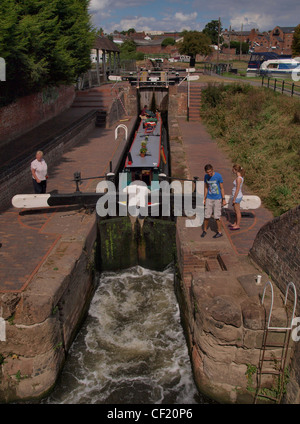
176, 15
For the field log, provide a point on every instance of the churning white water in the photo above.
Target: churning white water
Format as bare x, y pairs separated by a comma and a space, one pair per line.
131, 348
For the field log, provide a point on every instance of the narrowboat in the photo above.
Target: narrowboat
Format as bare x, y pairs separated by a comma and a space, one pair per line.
148, 153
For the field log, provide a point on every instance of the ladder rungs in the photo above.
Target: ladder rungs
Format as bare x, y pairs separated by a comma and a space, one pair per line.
275, 344
271, 372
267, 358
279, 328
268, 397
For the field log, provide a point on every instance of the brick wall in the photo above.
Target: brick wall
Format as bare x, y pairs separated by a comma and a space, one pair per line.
171, 50
276, 249
18, 179
30, 111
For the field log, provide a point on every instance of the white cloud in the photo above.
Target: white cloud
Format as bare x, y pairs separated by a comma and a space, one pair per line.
252, 20
139, 23
179, 16
98, 5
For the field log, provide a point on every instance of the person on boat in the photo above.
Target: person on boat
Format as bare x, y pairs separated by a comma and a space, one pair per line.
237, 195
143, 114
39, 171
214, 199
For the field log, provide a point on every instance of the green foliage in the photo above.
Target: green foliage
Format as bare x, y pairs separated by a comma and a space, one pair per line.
296, 42
195, 42
128, 51
260, 130
43, 43
212, 30
169, 41
251, 370
237, 46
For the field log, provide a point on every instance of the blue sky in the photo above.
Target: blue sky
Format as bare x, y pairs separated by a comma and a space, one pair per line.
175, 15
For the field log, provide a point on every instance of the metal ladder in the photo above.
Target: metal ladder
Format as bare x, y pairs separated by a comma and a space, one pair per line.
279, 363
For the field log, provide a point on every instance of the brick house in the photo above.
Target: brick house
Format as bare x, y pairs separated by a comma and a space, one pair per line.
281, 39
278, 40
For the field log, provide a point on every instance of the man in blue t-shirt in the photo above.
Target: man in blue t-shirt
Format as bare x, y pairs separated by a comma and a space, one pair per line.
214, 198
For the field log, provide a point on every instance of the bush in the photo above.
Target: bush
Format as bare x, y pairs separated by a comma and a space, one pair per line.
260, 130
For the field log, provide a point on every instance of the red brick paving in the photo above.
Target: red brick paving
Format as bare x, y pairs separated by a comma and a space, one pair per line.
201, 149
28, 236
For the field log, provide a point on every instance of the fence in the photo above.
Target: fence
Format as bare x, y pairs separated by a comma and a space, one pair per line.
281, 85
218, 68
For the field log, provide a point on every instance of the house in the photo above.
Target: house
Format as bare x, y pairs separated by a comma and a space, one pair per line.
279, 39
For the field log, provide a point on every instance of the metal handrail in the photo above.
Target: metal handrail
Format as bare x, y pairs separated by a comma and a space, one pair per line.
124, 128
272, 300
291, 284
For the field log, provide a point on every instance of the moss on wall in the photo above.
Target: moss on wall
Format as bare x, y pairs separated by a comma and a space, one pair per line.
124, 243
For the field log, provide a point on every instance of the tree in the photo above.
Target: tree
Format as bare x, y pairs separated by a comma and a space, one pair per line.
237, 45
131, 31
212, 30
169, 41
128, 51
43, 43
296, 42
195, 42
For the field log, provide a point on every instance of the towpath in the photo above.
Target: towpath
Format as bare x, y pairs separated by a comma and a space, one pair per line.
29, 236
201, 149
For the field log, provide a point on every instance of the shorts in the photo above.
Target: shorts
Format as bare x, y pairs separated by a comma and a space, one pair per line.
213, 206
238, 199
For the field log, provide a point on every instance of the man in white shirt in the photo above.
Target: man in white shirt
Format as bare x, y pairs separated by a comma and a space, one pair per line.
39, 171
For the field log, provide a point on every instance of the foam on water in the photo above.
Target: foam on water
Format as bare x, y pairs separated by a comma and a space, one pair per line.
131, 348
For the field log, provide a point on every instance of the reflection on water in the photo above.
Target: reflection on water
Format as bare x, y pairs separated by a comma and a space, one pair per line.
131, 348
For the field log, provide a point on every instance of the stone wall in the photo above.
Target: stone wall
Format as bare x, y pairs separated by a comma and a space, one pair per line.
42, 320
30, 111
276, 250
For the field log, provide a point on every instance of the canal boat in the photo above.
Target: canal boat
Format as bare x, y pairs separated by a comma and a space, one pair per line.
148, 153
147, 160
279, 67
256, 60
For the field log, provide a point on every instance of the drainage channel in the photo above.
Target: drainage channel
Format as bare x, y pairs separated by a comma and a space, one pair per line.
131, 348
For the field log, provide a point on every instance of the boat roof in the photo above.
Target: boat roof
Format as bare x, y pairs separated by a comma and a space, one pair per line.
287, 64
152, 158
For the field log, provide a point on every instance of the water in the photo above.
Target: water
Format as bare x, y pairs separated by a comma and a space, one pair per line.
131, 348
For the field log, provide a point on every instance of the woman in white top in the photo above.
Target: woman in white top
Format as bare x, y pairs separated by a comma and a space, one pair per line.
237, 195
39, 171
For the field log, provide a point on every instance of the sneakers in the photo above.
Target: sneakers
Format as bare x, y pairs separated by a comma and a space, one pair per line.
215, 236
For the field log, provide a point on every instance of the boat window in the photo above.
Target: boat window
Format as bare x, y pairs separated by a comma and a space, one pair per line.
273, 66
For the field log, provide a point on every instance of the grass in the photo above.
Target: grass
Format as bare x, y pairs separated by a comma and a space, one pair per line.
260, 130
